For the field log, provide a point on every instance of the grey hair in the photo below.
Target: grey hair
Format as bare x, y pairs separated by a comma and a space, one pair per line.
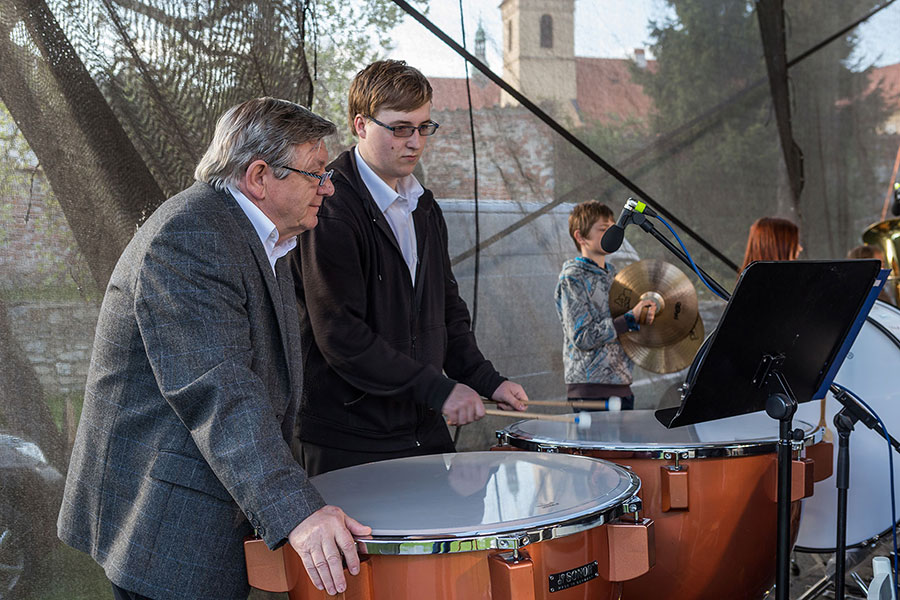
266, 129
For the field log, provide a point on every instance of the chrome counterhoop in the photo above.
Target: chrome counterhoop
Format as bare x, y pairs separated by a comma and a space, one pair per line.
687, 451
391, 545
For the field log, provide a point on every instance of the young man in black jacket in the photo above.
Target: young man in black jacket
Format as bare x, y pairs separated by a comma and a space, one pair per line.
381, 316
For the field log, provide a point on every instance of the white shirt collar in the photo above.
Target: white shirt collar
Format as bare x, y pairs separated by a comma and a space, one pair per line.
265, 228
407, 187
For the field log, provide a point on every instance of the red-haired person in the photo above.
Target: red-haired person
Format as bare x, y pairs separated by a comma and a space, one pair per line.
772, 238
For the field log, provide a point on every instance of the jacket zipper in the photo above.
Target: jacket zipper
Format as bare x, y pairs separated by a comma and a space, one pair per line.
413, 323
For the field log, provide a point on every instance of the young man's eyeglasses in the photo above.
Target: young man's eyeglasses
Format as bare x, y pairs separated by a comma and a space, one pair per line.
405, 131
322, 178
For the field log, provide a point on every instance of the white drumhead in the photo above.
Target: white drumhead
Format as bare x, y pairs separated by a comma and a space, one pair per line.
475, 494
871, 371
638, 430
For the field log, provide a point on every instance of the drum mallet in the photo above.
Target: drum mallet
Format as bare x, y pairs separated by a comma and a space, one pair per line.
612, 405
582, 420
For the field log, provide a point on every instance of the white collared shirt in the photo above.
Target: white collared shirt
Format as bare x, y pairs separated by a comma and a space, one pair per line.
397, 207
265, 228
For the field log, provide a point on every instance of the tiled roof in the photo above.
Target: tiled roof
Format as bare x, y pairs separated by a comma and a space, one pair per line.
888, 80
450, 93
604, 85
606, 90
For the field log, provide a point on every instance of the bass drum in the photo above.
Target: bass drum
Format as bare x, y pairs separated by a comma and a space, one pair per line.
872, 372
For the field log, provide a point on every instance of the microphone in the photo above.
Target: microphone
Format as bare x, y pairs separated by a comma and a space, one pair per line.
895, 209
612, 239
615, 235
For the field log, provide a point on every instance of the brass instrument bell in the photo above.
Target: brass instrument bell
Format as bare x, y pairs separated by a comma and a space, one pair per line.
886, 235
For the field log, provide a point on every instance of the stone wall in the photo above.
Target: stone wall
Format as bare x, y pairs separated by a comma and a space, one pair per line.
57, 338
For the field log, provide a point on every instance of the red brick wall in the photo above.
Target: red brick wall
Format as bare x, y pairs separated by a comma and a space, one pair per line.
36, 245
514, 151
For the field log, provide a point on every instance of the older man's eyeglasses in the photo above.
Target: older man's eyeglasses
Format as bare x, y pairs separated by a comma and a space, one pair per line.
322, 178
405, 131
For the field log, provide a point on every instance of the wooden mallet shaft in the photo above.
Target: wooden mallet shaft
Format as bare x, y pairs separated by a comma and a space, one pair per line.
592, 404
582, 420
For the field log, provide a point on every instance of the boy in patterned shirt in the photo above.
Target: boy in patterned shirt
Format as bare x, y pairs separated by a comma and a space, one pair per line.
596, 367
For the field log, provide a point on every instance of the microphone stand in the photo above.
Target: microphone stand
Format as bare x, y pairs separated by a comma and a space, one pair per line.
849, 415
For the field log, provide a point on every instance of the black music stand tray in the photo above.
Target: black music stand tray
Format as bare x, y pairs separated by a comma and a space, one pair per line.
781, 340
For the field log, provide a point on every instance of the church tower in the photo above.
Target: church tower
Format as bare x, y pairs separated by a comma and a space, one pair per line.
539, 53
480, 53
480, 40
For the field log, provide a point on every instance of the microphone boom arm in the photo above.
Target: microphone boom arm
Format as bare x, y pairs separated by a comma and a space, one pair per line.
639, 218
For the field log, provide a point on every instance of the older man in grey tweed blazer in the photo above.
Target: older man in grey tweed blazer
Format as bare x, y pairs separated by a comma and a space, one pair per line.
183, 446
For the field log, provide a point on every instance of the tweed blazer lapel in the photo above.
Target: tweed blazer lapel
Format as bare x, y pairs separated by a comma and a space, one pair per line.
262, 262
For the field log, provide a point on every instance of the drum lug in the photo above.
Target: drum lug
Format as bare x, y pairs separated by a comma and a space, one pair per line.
802, 479
282, 571
822, 455
502, 438
547, 448
268, 570
674, 488
631, 549
512, 576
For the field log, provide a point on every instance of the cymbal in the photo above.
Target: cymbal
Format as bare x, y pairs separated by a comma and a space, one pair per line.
665, 359
679, 300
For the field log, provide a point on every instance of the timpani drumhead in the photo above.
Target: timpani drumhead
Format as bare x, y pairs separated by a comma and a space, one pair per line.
476, 495
639, 431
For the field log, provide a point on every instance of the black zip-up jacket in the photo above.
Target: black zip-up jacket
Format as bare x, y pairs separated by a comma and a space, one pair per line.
375, 346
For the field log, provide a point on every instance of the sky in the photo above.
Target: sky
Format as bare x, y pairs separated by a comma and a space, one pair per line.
604, 28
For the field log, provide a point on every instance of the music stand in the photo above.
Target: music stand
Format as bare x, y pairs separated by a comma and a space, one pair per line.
781, 338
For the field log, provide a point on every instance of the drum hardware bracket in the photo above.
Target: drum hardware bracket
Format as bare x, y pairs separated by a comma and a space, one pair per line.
859, 582
767, 366
513, 543
677, 457
797, 441
511, 557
